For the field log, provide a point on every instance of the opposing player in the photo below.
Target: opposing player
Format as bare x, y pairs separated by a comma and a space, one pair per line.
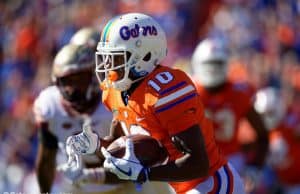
284, 154
86, 36
226, 103
146, 97
61, 109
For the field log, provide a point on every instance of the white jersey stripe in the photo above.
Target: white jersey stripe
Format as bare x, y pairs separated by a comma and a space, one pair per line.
174, 95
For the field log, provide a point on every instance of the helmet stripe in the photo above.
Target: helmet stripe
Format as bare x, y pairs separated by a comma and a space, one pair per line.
107, 29
103, 38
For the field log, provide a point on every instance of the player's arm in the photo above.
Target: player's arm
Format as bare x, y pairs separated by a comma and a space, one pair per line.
193, 164
46, 158
115, 132
262, 140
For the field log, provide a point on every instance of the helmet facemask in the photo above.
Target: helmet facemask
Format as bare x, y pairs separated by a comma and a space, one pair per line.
212, 73
209, 62
119, 69
73, 74
130, 48
79, 88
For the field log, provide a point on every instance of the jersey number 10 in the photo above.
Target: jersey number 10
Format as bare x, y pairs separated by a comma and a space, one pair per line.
160, 78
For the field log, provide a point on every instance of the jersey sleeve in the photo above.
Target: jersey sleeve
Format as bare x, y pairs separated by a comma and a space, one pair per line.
41, 109
42, 115
178, 106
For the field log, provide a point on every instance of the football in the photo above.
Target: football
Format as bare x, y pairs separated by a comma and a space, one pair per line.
148, 150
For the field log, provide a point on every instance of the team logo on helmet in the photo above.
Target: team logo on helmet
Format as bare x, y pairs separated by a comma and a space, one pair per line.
131, 46
126, 33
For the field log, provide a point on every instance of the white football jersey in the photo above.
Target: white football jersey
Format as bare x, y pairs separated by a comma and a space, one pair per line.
48, 108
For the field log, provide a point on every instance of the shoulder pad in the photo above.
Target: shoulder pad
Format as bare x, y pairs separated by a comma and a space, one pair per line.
166, 80
44, 104
170, 86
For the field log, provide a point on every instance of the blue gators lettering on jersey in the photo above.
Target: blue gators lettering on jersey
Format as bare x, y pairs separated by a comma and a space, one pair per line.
126, 33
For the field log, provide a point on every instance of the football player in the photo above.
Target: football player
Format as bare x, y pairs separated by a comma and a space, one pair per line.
284, 153
227, 103
60, 111
146, 97
86, 36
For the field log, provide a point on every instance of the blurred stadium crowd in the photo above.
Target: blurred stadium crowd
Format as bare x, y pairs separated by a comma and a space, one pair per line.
263, 38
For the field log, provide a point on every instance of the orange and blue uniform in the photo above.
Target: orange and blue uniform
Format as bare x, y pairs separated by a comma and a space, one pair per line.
285, 152
165, 103
226, 108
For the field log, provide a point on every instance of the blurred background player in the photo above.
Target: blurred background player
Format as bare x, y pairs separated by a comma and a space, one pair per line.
60, 110
86, 36
148, 98
226, 103
284, 152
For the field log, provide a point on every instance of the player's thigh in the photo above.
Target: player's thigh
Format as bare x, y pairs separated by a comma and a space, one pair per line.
225, 180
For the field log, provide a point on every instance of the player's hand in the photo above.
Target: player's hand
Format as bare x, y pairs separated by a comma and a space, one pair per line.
77, 175
72, 170
128, 167
85, 142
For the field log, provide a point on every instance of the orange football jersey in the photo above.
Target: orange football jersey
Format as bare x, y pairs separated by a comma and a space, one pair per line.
226, 108
285, 143
165, 103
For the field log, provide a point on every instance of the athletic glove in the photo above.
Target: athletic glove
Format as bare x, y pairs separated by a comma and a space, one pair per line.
85, 142
127, 167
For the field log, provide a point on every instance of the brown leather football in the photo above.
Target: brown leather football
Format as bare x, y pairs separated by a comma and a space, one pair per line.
148, 150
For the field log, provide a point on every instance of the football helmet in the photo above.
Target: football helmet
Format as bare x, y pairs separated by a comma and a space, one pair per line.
73, 74
86, 36
270, 104
209, 62
131, 46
